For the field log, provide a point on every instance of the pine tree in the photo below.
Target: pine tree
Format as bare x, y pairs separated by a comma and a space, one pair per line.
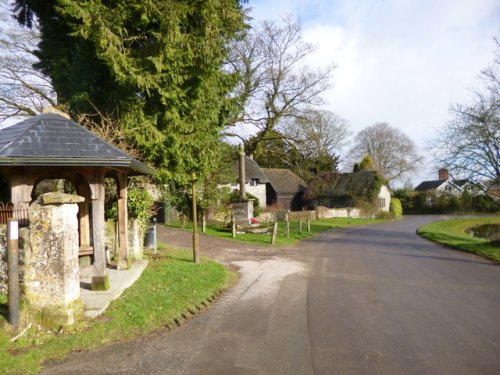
153, 66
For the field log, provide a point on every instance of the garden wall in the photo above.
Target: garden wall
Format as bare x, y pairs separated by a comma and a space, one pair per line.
317, 214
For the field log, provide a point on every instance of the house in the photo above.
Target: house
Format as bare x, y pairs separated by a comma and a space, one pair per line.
255, 180
340, 190
445, 185
285, 190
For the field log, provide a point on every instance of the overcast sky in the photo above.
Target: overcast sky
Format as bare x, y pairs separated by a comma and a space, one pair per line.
399, 61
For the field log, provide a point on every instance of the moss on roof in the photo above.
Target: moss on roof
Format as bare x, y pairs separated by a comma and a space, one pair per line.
345, 185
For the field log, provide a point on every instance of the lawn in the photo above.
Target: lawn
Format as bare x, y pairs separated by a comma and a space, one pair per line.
170, 287
453, 233
317, 226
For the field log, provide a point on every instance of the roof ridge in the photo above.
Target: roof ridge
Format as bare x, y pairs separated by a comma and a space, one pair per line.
27, 121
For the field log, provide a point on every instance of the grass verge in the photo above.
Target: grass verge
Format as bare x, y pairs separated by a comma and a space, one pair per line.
317, 226
452, 233
169, 287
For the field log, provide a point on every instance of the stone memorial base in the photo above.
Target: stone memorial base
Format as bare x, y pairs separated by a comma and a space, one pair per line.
242, 211
51, 280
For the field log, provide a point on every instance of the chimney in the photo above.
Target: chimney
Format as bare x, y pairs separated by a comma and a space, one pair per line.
443, 174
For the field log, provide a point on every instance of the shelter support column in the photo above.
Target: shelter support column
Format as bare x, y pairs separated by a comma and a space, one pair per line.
123, 253
84, 216
100, 278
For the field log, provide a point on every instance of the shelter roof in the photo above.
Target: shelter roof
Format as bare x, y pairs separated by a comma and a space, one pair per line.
50, 139
284, 181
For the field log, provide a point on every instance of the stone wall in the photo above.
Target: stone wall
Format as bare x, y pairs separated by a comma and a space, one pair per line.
319, 213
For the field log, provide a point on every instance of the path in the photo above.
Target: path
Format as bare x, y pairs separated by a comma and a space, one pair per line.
371, 300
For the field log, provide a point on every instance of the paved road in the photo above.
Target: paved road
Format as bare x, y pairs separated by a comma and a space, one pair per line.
371, 300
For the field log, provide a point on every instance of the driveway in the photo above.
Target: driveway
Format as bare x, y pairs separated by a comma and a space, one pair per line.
369, 300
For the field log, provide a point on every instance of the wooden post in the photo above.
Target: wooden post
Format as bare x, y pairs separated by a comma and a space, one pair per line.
234, 226
100, 278
287, 228
275, 232
13, 270
300, 226
204, 223
309, 225
122, 223
155, 246
196, 243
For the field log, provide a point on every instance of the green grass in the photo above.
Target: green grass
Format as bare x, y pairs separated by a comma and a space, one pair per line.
452, 233
317, 226
170, 286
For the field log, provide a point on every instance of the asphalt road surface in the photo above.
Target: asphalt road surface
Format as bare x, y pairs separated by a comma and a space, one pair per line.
370, 300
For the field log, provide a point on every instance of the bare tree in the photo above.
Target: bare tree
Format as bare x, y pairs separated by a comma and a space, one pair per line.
393, 154
23, 90
318, 137
469, 144
317, 132
274, 82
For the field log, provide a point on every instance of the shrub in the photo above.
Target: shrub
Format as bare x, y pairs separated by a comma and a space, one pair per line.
396, 208
139, 204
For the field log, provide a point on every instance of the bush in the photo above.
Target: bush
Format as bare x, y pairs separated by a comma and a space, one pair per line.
396, 208
139, 204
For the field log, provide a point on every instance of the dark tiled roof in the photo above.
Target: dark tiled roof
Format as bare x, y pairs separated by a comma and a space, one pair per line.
460, 183
51, 139
331, 184
284, 181
430, 185
252, 170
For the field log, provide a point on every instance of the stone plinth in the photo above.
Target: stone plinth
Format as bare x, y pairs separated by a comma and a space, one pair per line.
52, 282
136, 239
242, 211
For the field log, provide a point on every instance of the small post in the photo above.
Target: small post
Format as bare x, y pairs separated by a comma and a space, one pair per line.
204, 223
234, 226
300, 226
275, 232
155, 246
287, 228
309, 225
13, 270
196, 239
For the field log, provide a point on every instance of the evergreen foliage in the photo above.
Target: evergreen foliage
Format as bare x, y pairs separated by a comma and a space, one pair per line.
429, 202
154, 66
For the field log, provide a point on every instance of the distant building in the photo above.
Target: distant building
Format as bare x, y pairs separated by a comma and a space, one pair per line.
340, 190
285, 190
255, 180
445, 185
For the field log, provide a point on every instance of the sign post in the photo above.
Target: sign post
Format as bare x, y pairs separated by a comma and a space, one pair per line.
13, 270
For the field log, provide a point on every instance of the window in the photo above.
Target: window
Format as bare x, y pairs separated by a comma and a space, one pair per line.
381, 202
254, 181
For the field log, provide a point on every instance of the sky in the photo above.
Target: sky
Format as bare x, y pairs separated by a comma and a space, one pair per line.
403, 62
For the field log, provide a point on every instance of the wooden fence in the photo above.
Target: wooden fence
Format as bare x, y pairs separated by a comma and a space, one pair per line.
7, 210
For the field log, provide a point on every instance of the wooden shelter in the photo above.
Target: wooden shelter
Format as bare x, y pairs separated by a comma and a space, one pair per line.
51, 146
